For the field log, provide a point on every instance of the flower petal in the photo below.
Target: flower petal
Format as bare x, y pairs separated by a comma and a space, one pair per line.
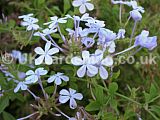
30, 72
72, 91
41, 71
65, 78
78, 96
108, 61
47, 46
103, 72
72, 103
53, 51
63, 99
51, 79
81, 71
85, 55
39, 60
82, 9
76, 61
39, 50
17, 88
64, 92
58, 81
77, 3
89, 6
48, 60
92, 69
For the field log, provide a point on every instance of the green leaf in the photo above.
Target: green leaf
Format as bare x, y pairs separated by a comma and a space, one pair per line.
113, 87
67, 6
115, 75
98, 91
153, 91
155, 109
7, 116
93, 106
4, 102
108, 116
129, 113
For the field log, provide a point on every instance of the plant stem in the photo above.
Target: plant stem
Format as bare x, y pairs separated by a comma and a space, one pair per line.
133, 30
55, 44
44, 93
55, 89
62, 36
130, 48
152, 114
127, 21
35, 97
62, 112
120, 14
28, 116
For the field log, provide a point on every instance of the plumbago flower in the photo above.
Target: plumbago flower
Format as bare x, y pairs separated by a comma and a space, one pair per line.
86, 63
121, 34
144, 41
34, 76
100, 63
83, 4
29, 22
20, 85
70, 96
54, 21
45, 54
57, 78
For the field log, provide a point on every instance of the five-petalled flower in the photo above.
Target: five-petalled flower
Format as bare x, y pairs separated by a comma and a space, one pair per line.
83, 4
34, 76
87, 64
57, 78
144, 41
70, 96
45, 54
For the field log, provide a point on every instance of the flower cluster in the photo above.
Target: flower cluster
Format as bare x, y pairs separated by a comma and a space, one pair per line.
80, 41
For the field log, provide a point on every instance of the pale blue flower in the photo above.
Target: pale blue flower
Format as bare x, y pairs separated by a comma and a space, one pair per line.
121, 33
88, 42
70, 96
26, 17
106, 35
54, 22
20, 85
57, 78
19, 56
45, 54
30, 24
144, 41
34, 76
83, 4
100, 63
48, 31
86, 63
136, 15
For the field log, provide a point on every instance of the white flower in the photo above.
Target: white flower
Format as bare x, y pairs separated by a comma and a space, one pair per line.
20, 85
136, 15
49, 31
70, 96
34, 76
54, 20
111, 46
107, 61
26, 17
57, 78
83, 4
87, 64
30, 23
121, 33
45, 54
